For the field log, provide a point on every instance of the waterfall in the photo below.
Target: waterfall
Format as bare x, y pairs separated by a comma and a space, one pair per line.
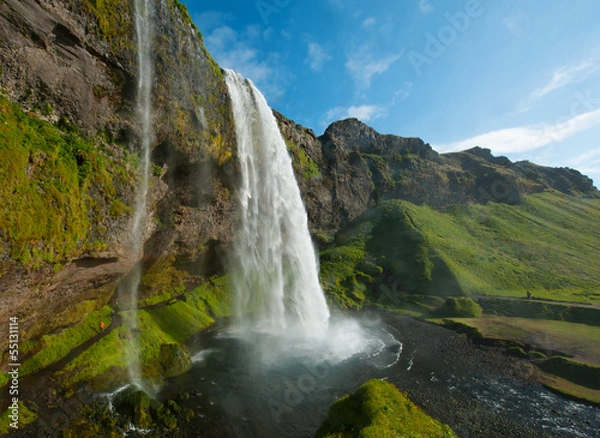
275, 272
130, 286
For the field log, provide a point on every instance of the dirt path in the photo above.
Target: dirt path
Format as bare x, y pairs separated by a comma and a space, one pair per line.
535, 300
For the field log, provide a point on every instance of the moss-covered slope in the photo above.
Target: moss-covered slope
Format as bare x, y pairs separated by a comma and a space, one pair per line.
378, 409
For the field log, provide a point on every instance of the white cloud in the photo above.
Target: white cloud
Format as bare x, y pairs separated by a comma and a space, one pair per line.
561, 77
237, 51
364, 113
526, 138
317, 56
425, 7
368, 23
363, 67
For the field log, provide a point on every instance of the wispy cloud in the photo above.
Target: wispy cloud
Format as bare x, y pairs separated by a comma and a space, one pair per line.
364, 113
425, 7
362, 66
403, 92
237, 51
561, 77
588, 159
317, 56
368, 22
526, 138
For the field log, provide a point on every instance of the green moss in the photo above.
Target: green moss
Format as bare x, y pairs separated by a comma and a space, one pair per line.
342, 280
54, 347
103, 365
185, 15
25, 417
459, 308
114, 22
48, 213
161, 281
302, 162
163, 333
380, 171
214, 296
378, 409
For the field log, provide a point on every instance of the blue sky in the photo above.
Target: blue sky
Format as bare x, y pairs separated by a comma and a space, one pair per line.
519, 77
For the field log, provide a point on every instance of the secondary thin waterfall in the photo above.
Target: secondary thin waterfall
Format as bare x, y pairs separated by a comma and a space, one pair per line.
143, 26
275, 272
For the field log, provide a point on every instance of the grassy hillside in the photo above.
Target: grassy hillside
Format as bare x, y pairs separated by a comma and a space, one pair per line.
549, 244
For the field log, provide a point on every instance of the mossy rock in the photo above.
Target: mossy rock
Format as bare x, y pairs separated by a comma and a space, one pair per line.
378, 409
134, 404
459, 308
174, 359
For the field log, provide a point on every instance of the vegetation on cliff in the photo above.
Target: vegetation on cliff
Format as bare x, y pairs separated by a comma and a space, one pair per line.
60, 190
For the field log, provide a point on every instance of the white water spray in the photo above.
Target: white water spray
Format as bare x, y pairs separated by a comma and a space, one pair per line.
275, 271
143, 26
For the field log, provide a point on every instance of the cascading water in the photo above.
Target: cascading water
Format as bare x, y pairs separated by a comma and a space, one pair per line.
143, 26
275, 271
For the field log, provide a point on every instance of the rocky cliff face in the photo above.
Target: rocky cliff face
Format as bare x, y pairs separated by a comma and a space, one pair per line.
358, 167
73, 64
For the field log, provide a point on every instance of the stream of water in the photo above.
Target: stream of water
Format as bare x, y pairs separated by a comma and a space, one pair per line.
128, 290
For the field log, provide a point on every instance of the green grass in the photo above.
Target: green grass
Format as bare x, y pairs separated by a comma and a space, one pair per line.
578, 340
25, 417
569, 388
536, 339
549, 245
378, 410
541, 310
577, 372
